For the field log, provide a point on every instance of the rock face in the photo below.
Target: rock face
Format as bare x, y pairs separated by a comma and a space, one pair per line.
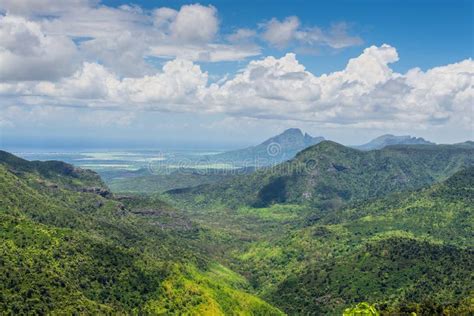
104, 192
275, 149
388, 139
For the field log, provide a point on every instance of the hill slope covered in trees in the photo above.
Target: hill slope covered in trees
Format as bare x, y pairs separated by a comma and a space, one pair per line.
68, 246
406, 252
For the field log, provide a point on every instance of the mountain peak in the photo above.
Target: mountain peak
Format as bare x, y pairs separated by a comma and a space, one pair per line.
389, 139
325, 146
292, 131
292, 137
278, 148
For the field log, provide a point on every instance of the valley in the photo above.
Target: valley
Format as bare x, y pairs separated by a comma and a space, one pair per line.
236, 158
317, 234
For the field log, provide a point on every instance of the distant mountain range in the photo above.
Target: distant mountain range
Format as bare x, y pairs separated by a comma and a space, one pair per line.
388, 139
329, 174
275, 149
286, 145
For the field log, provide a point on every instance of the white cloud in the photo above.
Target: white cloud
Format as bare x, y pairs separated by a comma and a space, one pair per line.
366, 93
43, 7
242, 36
123, 53
126, 38
26, 53
205, 53
190, 33
179, 87
86, 55
195, 24
336, 36
267, 87
121, 38
282, 33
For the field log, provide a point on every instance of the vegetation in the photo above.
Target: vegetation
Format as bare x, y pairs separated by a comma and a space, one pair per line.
391, 227
361, 309
65, 248
328, 175
406, 252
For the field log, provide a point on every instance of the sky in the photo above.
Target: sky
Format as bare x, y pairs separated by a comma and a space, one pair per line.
224, 74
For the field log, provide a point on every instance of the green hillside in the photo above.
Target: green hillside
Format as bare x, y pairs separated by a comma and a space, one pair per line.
67, 247
405, 252
408, 252
328, 175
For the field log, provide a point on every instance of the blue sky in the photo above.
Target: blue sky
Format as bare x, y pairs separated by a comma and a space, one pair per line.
426, 33
151, 73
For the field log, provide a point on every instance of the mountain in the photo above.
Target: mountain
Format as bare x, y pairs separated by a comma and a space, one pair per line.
69, 246
56, 172
403, 252
328, 175
275, 149
388, 140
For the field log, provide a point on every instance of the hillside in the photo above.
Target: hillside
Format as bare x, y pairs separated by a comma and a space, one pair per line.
328, 174
68, 248
405, 252
275, 149
388, 140
71, 246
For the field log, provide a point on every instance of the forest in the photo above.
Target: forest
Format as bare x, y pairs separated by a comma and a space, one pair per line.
332, 231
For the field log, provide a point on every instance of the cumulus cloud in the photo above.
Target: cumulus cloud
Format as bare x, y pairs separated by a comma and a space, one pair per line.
26, 53
121, 38
179, 85
268, 87
192, 23
189, 33
87, 55
123, 53
128, 38
366, 93
195, 23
